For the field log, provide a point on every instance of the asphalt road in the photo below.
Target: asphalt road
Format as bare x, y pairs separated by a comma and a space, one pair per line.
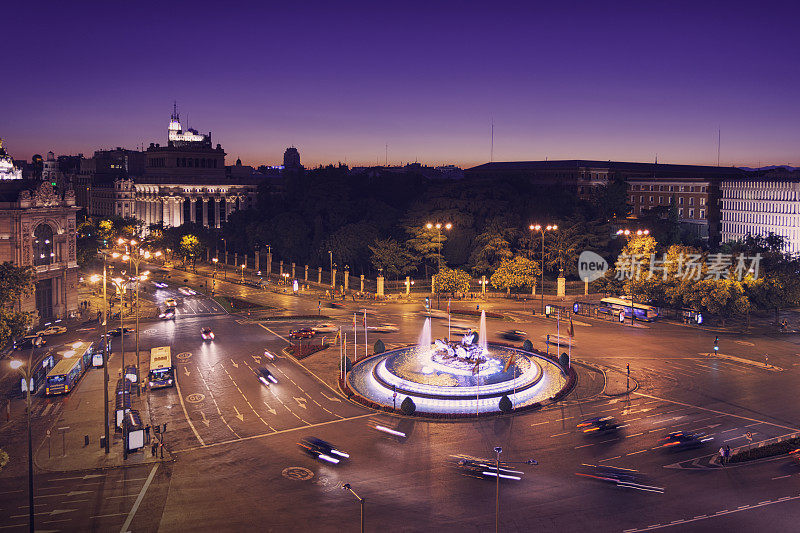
238, 467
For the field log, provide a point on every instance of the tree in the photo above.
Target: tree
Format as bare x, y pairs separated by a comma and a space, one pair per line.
563, 247
515, 273
492, 248
191, 247
392, 257
722, 297
15, 282
505, 404
450, 281
426, 245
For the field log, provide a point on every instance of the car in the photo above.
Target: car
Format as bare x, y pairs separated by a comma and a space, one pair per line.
435, 313
599, 425
266, 377
794, 455
186, 291
320, 449
269, 355
684, 440
302, 333
31, 341
160, 284
207, 334
326, 327
486, 468
170, 302
167, 314
624, 478
53, 330
385, 328
116, 332
513, 335
334, 305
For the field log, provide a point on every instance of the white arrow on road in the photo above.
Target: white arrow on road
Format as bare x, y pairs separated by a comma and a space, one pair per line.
329, 398
234, 363
270, 409
257, 359
68, 494
205, 420
301, 402
87, 476
51, 513
239, 415
186, 369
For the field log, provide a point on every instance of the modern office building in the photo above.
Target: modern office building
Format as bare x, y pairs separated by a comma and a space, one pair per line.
763, 205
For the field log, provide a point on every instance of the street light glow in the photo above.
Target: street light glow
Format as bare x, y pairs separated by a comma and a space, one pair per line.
94, 278
16, 365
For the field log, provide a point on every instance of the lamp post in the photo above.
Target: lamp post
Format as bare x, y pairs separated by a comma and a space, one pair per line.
347, 487
630, 233
224, 264
243, 274
330, 252
498, 450
26, 375
214, 276
96, 278
120, 284
541, 229
439, 226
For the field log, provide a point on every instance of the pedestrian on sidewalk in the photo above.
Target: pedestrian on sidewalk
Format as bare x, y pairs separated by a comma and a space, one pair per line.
727, 453
722, 455
161, 446
147, 433
153, 448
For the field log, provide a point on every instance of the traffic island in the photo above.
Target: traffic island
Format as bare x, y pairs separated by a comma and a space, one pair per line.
767, 449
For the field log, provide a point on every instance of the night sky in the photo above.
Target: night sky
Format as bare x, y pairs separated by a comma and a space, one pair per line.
600, 80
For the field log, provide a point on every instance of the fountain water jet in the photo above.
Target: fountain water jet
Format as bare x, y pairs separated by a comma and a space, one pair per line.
482, 342
425, 337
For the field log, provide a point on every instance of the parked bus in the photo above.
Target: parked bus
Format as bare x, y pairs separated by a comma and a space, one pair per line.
66, 374
642, 312
162, 374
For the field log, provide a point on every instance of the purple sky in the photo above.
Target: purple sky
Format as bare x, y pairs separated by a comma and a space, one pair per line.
594, 81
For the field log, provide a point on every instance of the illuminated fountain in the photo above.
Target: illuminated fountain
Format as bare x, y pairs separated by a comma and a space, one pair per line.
456, 377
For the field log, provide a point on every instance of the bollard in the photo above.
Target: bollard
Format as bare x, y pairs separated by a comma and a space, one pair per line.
86, 440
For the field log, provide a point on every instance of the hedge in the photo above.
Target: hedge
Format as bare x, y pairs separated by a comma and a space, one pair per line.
770, 450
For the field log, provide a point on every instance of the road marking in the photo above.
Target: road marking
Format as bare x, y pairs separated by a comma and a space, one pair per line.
270, 409
301, 402
278, 432
185, 414
781, 477
715, 411
213, 399
561, 434
205, 420
138, 501
634, 435
536, 424
239, 415
715, 515
329, 398
634, 453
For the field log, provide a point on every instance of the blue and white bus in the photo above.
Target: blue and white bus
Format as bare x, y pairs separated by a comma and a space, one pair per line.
646, 313
66, 374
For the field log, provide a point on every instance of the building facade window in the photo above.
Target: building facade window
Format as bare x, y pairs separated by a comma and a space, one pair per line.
43, 245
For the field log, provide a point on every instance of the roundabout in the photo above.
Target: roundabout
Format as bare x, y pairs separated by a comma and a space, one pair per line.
459, 378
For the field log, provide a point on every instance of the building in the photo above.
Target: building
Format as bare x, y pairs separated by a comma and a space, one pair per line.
8, 168
50, 170
767, 204
585, 175
184, 181
291, 160
37, 228
690, 196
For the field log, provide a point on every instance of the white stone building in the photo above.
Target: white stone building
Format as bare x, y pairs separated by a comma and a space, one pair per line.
761, 206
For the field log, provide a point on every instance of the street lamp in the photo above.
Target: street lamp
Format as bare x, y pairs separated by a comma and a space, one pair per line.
498, 450
439, 226
95, 279
214, 276
243, 273
347, 487
630, 234
26, 375
120, 285
540, 228
330, 252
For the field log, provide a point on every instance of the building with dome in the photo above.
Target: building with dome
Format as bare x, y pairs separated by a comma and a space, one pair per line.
183, 181
8, 171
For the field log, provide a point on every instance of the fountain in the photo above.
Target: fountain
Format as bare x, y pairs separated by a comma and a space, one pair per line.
424, 341
456, 377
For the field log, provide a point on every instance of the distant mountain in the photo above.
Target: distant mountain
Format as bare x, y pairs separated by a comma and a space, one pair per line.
771, 167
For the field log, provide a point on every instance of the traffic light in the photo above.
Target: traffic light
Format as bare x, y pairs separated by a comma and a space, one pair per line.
716, 345
427, 302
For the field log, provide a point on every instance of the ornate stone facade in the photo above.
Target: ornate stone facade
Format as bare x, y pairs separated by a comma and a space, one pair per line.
38, 228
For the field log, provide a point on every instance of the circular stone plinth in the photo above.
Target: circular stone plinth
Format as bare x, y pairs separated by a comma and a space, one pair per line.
452, 385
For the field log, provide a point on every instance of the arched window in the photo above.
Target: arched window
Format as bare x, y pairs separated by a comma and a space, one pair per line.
43, 245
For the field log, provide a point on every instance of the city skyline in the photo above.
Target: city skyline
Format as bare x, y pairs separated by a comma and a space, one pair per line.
343, 83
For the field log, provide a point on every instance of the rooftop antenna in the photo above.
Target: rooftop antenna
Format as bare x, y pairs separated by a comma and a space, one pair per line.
719, 143
491, 150
386, 161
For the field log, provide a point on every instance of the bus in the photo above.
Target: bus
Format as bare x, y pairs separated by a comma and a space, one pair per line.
66, 374
643, 312
161, 374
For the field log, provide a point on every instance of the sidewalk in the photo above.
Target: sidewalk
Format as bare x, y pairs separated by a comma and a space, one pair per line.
82, 415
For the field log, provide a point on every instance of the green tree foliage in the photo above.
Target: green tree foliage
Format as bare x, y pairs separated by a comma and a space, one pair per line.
451, 281
425, 244
563, 246
515, 273
392, 257
191, 248
15, 282
724, 298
